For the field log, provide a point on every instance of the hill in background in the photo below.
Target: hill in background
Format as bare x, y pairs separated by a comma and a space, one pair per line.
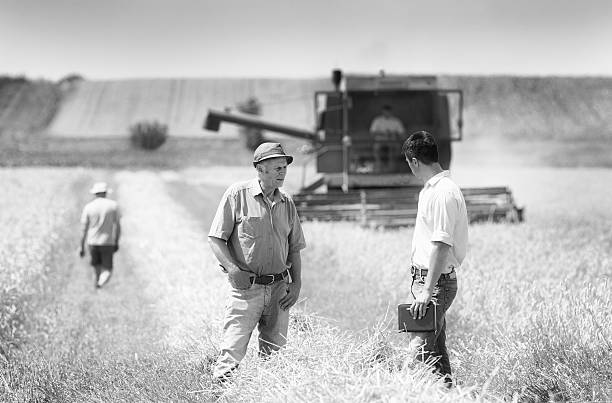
536, 108
108, 108
27, 106
511, 120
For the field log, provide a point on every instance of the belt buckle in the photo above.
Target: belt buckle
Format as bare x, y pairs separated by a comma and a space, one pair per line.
271, 279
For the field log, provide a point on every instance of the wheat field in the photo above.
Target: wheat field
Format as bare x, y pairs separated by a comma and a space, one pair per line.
531, 322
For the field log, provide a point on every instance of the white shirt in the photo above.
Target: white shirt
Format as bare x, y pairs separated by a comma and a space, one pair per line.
441, 217
101, 216
387, 125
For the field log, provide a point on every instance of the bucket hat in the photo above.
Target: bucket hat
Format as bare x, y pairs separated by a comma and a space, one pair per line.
270, 150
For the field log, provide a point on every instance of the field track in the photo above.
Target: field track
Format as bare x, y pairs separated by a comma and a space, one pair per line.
164, 296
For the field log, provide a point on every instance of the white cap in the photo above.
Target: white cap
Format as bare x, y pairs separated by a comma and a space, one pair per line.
99, 187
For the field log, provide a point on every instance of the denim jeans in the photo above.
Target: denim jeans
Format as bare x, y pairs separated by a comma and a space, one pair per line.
257, 306
433, 344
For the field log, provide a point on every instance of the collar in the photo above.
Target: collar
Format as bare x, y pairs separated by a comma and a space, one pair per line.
256, 189
436, 178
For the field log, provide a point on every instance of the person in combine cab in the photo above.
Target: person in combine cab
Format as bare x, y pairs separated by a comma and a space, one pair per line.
257, 237
439, 246
387, 130
101, 226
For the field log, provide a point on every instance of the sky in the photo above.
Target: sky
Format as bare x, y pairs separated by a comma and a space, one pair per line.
111, 39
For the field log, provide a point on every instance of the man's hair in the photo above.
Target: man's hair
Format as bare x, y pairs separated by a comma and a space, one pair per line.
422, 146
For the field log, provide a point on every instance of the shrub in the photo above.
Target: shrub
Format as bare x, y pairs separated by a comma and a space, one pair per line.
148, 135
70, 82
71, 78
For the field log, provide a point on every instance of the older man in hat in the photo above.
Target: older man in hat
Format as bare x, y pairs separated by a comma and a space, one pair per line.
257, 237
100, 221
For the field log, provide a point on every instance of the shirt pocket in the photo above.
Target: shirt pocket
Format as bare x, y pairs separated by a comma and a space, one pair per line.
250, 234
250, 228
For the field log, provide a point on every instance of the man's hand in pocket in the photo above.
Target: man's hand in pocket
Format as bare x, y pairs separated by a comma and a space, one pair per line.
240, 279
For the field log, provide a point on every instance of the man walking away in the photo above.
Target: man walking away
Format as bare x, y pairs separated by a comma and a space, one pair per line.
257, 237
101, 226
439, 246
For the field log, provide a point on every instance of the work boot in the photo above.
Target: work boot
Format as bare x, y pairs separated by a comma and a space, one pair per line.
447, 381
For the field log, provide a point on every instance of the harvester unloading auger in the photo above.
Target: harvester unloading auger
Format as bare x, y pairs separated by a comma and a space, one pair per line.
365, 179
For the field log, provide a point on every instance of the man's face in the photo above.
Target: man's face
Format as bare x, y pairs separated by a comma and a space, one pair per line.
272, 172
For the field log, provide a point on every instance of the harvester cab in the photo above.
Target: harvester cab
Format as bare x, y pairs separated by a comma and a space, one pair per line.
360, 127
364, 122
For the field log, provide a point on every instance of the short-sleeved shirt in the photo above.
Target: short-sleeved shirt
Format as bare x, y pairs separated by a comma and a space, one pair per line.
441, 217
101, 216
386, 125
260, 234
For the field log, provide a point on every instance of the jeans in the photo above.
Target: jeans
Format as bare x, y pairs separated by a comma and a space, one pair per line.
257, 306
432, 345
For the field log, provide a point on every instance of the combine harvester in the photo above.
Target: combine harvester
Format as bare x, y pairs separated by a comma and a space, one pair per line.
357, 183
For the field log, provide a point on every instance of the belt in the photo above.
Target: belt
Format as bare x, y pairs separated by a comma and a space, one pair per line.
418, 272
269, 279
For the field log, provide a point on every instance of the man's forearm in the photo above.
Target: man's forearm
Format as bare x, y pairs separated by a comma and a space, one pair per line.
296, 267
223, 254
83, 236
118, 234
437, 263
